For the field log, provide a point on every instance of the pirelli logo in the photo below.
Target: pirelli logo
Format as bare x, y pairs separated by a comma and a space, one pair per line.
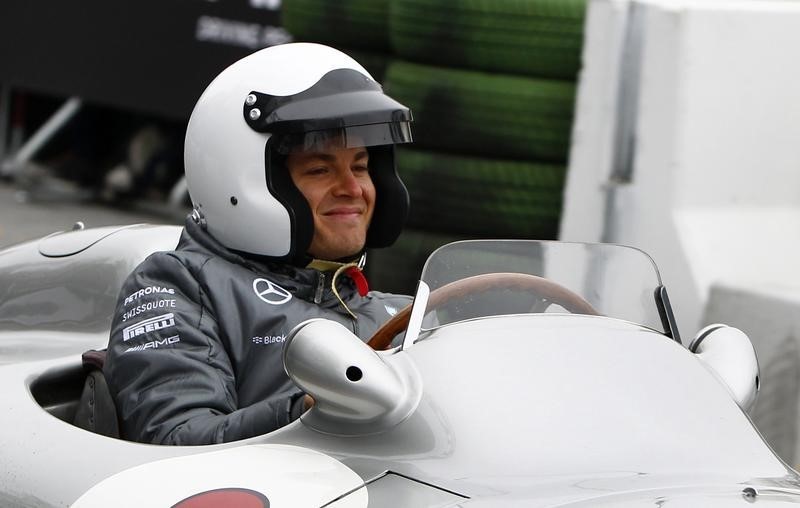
148, 325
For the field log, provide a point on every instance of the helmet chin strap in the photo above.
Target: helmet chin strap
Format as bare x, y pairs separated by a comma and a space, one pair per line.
352, 270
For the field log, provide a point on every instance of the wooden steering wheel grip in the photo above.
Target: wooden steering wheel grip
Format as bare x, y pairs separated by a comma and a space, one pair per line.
545, 288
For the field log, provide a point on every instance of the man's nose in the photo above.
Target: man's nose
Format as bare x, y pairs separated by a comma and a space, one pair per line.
347, 183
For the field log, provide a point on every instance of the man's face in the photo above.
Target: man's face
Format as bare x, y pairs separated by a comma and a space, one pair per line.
336, 183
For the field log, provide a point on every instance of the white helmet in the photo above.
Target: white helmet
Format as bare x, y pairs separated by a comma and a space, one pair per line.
253, 112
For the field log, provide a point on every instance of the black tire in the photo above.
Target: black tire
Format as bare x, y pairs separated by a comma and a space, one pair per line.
396, 269
482, 198
348, 23
482, 114
532, 37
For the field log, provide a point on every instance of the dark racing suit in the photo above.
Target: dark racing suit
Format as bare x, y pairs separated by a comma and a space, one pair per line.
194, 355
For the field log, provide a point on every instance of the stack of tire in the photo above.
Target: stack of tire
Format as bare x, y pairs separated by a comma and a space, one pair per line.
491, 84
360, 28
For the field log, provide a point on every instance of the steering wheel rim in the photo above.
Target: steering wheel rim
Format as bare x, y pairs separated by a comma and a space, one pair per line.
545, 288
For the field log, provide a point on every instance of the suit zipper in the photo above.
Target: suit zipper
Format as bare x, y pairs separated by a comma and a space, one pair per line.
320, 288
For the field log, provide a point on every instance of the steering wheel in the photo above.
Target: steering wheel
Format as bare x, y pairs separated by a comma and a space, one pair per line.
544, 288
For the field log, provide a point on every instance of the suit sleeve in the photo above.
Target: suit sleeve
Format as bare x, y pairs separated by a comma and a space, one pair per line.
169, 374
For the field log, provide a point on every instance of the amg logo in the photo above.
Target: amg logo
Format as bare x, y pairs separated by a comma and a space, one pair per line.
155, 344
148, 325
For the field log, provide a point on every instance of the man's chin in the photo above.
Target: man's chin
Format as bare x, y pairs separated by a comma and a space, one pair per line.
338, 251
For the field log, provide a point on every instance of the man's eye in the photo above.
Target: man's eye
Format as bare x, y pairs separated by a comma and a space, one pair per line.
316, 170
363, 168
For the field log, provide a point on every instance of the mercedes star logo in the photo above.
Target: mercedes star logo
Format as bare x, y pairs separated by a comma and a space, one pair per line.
271, 293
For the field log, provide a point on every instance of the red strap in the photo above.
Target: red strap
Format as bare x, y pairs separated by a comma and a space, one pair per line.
358, 277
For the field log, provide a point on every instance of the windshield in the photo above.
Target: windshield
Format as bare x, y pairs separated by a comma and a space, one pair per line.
528, 276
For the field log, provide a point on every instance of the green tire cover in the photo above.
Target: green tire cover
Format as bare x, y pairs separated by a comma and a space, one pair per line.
476, 197
531, 37
477, 113
374, 63
349, 23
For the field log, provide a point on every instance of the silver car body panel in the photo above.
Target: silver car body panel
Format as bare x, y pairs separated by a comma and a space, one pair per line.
518, 400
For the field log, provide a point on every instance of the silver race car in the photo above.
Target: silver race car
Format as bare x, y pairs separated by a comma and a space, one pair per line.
526, 373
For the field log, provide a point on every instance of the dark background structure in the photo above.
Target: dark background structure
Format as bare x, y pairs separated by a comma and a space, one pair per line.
491, 85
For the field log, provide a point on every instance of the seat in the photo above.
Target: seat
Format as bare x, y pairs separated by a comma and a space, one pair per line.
96, 411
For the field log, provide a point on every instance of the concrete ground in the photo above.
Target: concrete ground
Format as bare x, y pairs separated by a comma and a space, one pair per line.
24, 218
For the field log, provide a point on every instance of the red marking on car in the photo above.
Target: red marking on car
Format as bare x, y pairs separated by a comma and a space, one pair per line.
223, 498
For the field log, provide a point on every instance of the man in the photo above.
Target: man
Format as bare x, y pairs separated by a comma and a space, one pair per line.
289, 159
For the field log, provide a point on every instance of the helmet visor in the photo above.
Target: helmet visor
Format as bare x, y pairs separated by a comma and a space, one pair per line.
344, 137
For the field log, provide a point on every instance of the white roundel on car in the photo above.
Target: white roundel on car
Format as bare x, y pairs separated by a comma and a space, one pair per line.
271, 476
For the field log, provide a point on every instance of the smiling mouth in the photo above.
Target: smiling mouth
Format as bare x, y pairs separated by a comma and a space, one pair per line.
343, 212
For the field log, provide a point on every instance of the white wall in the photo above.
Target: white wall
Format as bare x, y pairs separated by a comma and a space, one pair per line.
707, 95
